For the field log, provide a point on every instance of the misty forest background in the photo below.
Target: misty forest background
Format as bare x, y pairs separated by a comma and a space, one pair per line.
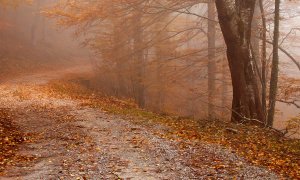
167, 56
202, 88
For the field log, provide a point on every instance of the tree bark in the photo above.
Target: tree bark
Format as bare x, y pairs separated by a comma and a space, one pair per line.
235, 19
211, 67
163, 50
255, 35
139, 60
263, 58
224, 85
119, 88
274, 72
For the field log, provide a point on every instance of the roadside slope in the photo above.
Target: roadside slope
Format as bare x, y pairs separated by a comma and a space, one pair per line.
68, 140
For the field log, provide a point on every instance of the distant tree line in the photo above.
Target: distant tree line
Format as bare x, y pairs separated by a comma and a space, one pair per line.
171, 57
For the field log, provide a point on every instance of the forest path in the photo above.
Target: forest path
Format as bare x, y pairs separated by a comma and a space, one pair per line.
69, 141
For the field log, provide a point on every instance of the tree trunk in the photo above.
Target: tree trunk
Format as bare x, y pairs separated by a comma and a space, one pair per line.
43, 39
139, 60
274, 72
159, 80
224, 85
255, 36
117, 56
162, 49
211, 67
235, 19
263, 59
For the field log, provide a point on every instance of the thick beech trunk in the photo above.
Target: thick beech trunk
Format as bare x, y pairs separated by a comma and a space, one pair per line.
246, 102
235, 19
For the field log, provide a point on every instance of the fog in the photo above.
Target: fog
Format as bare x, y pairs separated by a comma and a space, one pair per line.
38, 37
290, 32
30, 41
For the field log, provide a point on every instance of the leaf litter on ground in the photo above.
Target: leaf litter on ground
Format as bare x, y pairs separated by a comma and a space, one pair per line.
259, 146
10, 139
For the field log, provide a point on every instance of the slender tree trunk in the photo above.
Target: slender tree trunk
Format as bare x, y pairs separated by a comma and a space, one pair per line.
162, 52
211, 68
255, 36
263, 59
255, 48
139, 60
160, 81
224, 85
117, 54
274, 72
190, 97
235, 19
43, 29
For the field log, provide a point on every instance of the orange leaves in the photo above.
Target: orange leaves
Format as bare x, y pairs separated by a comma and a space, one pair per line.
80, 13
220, 166
10, 137
12, 3
288, 87
263, 148
259, 146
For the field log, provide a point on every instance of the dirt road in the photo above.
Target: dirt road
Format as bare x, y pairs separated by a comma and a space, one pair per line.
70, 141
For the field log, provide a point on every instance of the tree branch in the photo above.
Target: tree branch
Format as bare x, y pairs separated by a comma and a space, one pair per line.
291, 102
288, 54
